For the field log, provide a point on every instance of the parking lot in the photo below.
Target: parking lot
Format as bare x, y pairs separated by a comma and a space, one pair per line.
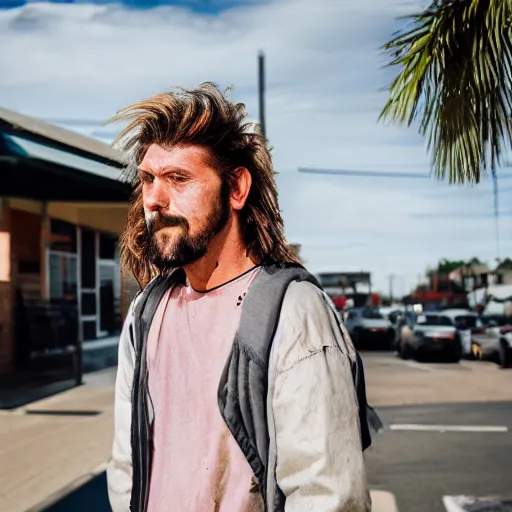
447, 430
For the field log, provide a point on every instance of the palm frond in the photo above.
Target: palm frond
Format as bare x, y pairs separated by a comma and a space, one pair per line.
455, 79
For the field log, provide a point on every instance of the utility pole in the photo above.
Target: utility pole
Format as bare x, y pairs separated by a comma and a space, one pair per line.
496, 214
391, 278
261, 91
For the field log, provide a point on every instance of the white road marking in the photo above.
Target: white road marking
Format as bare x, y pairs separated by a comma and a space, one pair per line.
461, 503
416, 365
446, 428
434, 367
383, 501
451, 505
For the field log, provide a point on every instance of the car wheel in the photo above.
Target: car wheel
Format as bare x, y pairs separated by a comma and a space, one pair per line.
356, 338
405, 351
455, 354
505, 354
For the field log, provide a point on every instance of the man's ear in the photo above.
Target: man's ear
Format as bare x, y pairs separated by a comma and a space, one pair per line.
240, 187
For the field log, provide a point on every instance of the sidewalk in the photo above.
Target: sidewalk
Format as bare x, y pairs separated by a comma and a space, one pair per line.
54, 446
53, 443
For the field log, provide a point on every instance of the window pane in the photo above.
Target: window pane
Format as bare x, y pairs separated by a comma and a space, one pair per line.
63, 236
63, 283
88, 259
108, 245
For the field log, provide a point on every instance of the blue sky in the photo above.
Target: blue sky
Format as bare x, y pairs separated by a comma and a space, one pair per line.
212, 7
325, 78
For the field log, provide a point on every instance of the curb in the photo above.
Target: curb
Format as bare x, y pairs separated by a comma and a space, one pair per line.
51, 500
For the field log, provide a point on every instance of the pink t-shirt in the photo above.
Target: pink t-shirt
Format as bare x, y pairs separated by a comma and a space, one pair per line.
197, 464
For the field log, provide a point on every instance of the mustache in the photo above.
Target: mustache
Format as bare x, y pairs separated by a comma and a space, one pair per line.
156, 221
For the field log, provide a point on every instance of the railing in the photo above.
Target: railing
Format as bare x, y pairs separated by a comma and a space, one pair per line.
47, 337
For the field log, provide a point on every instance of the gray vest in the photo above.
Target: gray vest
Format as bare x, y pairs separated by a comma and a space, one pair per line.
242, 392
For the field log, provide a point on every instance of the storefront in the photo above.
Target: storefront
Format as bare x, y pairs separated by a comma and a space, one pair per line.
62, 209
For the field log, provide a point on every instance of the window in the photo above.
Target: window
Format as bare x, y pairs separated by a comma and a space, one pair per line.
467, 322
439, 320
109, 282
63, 278
372, 313
88, 276
108, 246
63, 236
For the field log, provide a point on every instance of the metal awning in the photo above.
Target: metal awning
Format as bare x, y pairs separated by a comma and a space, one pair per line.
31, 128
40, 170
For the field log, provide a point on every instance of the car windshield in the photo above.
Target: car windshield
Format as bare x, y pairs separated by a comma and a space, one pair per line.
371, 313
434, 320
496, 320
467, 322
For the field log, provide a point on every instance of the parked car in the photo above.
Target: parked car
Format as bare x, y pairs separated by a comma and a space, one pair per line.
466, 322
446, 332
369, 328
494, 340
391, 313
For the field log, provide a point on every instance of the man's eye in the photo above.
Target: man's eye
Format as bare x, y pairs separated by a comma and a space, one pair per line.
179, 179
146, 178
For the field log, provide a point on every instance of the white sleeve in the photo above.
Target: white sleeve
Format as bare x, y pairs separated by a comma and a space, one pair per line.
320, 463
119, 471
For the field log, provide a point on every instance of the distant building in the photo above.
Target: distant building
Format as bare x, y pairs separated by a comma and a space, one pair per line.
296, 248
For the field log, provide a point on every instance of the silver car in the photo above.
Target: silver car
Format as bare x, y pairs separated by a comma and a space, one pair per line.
445, 332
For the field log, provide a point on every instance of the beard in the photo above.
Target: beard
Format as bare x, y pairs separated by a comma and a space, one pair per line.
178, 250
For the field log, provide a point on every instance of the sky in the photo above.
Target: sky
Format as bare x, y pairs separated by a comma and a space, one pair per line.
75, 63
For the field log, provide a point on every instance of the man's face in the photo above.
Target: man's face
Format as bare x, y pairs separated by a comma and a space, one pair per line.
185, 204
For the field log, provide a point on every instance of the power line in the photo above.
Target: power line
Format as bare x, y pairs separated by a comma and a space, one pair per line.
373, 174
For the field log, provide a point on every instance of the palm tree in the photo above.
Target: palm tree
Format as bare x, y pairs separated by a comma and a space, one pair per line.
455, 78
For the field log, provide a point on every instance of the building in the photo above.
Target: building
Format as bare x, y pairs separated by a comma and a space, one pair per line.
62, 208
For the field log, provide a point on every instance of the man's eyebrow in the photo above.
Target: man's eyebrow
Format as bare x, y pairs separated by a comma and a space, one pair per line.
165, 169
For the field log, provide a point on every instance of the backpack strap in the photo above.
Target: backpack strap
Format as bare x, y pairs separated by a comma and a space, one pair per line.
262, 308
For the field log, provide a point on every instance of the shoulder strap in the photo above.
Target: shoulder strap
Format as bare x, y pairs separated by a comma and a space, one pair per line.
262, 307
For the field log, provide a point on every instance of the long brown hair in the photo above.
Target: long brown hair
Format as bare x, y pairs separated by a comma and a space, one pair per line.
205, 117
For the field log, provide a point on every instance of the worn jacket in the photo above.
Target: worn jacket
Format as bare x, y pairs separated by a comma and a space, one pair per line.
315, 445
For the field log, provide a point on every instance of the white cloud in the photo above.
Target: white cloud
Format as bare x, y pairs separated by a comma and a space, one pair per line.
325, 77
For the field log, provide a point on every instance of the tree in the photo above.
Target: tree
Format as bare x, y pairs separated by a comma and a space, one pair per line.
455, 78
506, 264
446, 266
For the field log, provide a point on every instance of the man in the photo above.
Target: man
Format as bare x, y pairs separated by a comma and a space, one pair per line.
203, 227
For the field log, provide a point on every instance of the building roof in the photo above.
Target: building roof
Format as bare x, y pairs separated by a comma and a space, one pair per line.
32, 128
45, 162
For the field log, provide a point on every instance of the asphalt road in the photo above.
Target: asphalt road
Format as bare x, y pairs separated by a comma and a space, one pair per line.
419, 467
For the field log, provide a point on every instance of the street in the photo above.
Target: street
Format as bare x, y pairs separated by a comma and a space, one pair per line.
447, 433
421, 466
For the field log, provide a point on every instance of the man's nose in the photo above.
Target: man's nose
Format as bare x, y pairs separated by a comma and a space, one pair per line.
155, 196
